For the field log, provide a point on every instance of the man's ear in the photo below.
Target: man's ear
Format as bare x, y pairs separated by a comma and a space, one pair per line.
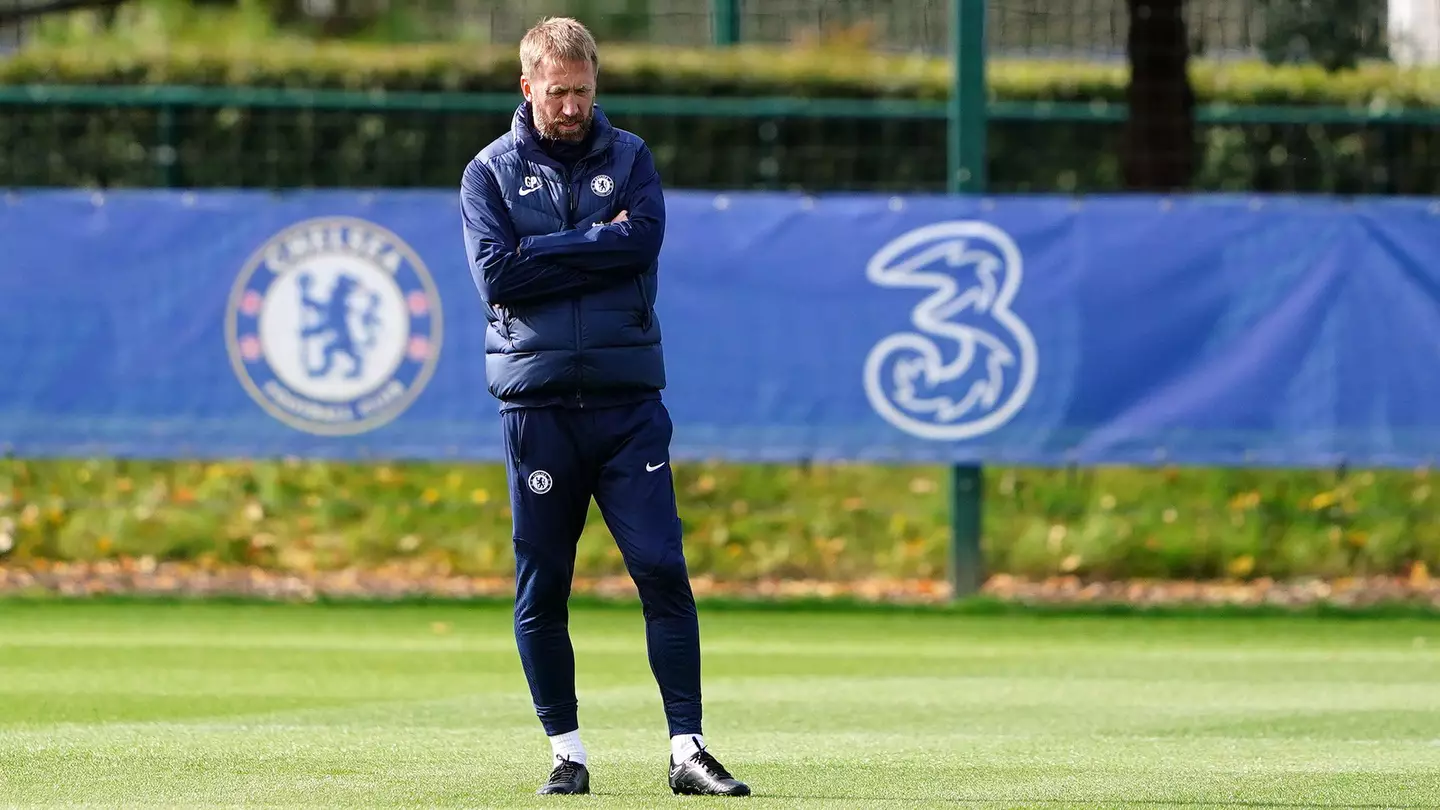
525, 88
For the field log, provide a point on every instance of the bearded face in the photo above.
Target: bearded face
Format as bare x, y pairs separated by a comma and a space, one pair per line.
562, 99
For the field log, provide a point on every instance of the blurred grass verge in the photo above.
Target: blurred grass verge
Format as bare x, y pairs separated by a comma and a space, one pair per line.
742, 522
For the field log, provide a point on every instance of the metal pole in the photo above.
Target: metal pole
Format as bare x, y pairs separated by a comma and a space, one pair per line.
725, 21
967, 97
967, 176
167, 155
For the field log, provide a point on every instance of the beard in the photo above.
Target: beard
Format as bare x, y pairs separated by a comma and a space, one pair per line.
550, 128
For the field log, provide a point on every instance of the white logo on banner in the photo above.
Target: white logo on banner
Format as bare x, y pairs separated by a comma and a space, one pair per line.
334, 326
972, 271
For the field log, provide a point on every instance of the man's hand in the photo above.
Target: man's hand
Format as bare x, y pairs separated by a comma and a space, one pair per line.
620, 217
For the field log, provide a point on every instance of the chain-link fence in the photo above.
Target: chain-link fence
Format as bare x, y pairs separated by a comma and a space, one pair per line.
1227, 95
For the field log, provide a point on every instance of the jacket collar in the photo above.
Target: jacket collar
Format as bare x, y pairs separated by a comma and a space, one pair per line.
527, 140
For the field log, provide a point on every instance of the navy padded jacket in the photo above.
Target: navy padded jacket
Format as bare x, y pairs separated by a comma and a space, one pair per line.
569, 299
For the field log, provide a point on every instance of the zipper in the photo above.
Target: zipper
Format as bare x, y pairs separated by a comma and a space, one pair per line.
575, 301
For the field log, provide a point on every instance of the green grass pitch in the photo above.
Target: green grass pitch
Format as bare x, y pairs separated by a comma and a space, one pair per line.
220, 705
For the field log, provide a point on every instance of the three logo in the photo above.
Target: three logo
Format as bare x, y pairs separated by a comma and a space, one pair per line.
971, 363
334, 326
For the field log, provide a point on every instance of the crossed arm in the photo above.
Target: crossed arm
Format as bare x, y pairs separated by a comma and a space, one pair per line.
509, 271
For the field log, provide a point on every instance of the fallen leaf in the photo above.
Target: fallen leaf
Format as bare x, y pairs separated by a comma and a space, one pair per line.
1241, 566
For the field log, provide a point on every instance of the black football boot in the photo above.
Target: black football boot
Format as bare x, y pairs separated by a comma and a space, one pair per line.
703, 775
567, 777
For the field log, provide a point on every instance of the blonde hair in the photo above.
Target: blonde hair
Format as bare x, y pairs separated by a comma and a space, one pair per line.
557, 40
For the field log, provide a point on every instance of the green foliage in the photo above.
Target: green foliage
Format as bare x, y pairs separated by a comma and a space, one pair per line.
1335, 34
740, 71
742, 522
236, 145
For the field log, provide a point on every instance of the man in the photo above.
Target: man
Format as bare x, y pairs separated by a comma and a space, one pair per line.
563, 222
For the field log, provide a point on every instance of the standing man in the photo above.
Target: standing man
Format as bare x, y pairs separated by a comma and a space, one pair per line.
563, 222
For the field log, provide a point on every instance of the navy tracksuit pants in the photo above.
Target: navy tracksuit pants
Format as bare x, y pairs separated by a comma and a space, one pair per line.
558, 459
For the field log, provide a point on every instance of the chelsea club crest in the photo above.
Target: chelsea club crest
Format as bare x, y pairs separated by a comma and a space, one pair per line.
334, 326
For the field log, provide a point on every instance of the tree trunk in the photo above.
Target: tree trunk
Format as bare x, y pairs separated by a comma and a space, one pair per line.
1159, 143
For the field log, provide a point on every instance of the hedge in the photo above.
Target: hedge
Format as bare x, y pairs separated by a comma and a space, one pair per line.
740, 71
288, 148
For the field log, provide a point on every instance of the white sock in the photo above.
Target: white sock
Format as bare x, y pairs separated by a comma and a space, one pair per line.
568, 746
684, 746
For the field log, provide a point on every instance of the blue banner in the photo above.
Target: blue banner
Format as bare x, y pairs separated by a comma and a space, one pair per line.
1034, 330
